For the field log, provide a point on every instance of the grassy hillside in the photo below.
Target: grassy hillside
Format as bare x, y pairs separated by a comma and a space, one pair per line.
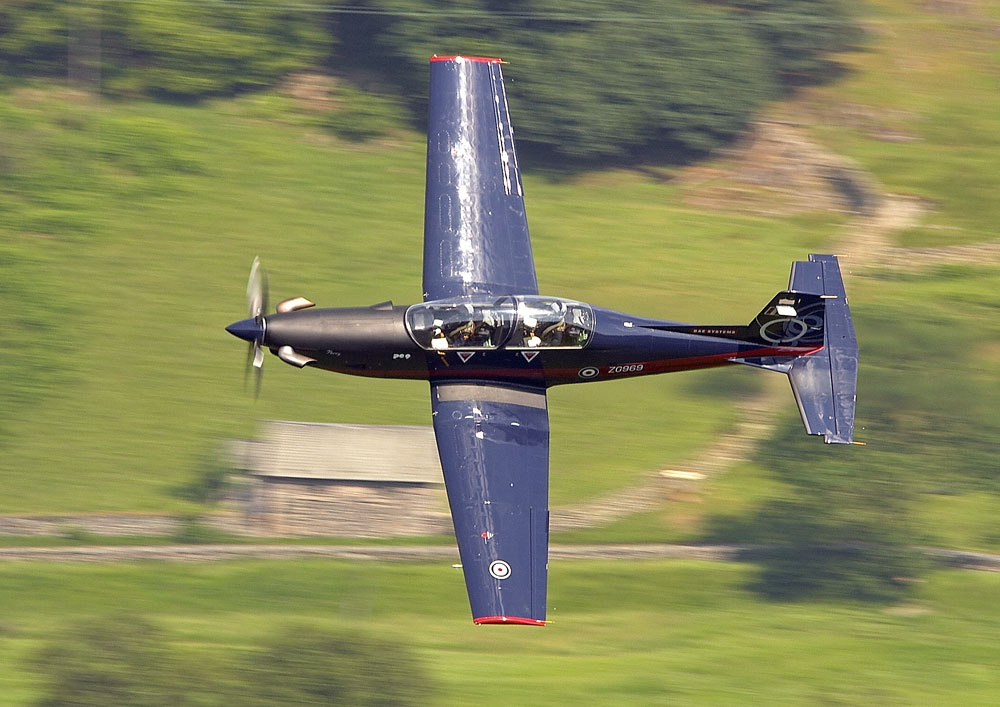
919, 108
129, 228
148, 381
126, 233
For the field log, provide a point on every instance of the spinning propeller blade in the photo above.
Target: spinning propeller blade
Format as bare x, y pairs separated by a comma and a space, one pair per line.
252, 328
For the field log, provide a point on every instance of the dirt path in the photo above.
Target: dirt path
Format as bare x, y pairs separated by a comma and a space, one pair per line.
755, 418
422, 553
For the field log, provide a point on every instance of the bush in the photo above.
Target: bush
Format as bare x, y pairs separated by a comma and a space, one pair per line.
310, 666
125, 660
121, 660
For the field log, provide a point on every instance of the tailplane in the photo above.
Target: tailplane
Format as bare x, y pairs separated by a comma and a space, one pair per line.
824, 382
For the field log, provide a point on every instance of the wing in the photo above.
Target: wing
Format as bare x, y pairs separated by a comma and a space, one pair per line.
494, 447
475, 232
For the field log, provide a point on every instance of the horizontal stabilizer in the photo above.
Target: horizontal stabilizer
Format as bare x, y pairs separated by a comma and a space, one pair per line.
825, 382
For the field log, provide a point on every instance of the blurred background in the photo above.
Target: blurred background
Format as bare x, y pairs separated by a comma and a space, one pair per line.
149, 149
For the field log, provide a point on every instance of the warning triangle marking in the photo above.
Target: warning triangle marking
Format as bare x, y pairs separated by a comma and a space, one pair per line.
529, 356
466, 355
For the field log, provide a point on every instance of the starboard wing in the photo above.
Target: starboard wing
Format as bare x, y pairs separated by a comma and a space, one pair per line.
476, 238
494, 446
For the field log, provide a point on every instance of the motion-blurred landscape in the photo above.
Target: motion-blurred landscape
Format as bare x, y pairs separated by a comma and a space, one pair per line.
677, 156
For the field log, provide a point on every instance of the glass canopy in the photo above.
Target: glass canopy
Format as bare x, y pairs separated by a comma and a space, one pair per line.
527, 322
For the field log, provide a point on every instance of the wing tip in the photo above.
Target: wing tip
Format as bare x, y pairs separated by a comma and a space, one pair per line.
460, 58
517, 620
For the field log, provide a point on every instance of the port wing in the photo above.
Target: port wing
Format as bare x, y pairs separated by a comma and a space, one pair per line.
494, 446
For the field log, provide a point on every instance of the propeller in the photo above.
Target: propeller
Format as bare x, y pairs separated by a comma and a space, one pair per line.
252, 328
257, 295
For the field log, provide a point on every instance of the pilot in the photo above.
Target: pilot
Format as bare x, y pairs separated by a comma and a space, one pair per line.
439, 341
530, 338
475, 332
482, 334
555, 335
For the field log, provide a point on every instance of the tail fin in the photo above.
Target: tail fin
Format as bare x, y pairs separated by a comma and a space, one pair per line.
825, 382
791, 320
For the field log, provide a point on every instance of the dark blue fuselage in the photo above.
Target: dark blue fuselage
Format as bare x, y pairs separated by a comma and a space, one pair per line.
375, 341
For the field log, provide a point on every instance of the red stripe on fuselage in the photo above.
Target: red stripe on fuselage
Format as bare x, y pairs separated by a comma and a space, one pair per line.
542, 374
691, 363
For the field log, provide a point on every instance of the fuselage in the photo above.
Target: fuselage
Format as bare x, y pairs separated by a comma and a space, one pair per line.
530, 341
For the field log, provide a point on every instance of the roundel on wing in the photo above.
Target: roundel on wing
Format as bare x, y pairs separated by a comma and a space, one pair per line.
499, 569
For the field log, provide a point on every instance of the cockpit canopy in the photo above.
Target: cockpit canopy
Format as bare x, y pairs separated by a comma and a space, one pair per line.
527, 322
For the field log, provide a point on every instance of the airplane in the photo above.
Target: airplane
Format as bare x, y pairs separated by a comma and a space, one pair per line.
490, 345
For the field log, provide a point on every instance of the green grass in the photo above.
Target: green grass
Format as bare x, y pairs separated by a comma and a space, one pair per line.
126, 236
150, 382
927, 73
656, 632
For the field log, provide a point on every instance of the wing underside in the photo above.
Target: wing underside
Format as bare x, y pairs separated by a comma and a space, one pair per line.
494, 447
476, 238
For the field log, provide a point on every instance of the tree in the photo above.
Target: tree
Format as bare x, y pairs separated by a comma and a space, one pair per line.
180, 49
802, 36
190, 49
840, 528
591, 84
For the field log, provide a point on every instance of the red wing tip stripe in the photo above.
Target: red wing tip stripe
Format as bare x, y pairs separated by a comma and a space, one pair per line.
480, 59
508, 620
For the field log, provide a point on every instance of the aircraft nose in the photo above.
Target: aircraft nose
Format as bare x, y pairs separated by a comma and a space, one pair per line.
247, 329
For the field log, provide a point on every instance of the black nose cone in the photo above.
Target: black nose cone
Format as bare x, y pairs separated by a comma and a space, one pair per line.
247, 329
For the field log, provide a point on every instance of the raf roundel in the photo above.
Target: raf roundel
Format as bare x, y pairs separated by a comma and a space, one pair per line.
499, 569
589, 372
